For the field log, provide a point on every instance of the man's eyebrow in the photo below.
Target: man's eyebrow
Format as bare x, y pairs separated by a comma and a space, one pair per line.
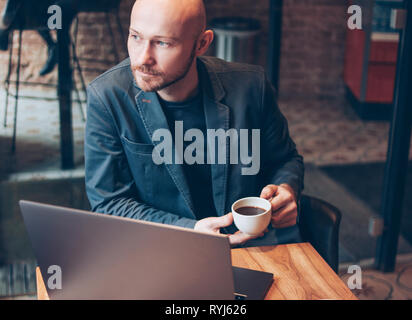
157, 36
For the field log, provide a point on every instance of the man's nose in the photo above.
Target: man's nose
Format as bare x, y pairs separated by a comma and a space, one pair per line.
146, 57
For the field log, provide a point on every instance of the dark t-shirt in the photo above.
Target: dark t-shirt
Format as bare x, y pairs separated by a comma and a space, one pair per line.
197, 175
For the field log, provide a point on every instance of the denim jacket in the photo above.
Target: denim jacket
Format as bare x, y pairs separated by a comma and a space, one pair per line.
122, 178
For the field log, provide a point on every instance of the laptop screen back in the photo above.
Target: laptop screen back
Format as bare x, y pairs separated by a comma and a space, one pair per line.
107, 257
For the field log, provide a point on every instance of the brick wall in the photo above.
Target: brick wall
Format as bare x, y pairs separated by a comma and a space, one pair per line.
93, 42
312, 43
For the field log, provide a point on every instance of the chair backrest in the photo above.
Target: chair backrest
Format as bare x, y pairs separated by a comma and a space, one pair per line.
319, 224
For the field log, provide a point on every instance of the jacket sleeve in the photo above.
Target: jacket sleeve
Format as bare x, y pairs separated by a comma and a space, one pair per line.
110, 185
281, 160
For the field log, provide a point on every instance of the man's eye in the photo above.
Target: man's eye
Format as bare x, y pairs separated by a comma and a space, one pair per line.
162, 44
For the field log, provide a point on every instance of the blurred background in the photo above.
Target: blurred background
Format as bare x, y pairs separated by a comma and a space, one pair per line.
335, 86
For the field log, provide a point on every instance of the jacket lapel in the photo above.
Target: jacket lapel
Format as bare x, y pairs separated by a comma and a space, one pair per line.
217, 117
153, 118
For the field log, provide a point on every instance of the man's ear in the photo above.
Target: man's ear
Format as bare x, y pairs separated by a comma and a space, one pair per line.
204, 42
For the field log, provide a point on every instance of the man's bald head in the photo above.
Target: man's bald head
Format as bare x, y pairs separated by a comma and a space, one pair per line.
165, 38
190, 15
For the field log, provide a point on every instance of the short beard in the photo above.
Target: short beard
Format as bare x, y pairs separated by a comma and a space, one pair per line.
181, 75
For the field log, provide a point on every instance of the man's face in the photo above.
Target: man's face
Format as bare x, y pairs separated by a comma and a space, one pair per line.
161, 50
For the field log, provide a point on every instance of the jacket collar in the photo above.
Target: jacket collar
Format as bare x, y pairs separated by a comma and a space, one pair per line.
212, 85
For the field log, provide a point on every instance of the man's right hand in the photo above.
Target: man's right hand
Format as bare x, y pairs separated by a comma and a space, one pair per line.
213, 225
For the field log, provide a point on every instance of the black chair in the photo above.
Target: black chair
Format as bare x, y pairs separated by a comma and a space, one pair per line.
319, 224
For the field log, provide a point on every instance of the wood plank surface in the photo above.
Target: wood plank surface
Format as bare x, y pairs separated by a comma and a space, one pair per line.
299, 272
41, 288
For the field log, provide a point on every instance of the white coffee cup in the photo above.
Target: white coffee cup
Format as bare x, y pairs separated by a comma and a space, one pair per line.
252, 224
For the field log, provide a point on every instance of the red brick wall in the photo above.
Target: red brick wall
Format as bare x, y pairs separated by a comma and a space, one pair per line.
313, 46
93, 42
312, 43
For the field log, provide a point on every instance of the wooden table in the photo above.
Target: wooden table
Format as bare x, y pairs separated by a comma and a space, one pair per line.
299, 271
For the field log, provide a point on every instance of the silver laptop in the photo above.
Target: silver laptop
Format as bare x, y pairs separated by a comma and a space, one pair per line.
85, 255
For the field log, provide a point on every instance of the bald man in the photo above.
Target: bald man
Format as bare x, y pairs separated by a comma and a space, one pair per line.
168, 97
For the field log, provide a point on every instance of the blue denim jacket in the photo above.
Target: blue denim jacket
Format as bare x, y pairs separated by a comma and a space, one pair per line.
122, 178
